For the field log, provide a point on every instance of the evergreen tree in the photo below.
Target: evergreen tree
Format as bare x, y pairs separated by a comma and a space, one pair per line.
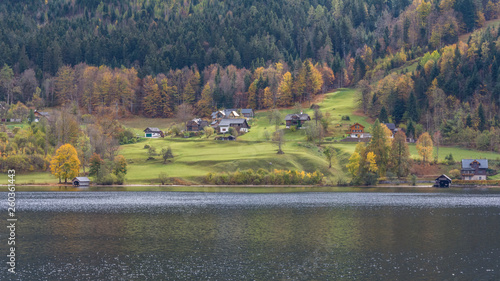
482, 119
383, 115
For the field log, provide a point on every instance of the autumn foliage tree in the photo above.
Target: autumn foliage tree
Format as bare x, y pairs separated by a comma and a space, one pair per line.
400, 155
425, 147
65, 163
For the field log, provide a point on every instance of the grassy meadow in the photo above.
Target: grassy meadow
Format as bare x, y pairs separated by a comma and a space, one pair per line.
195, 157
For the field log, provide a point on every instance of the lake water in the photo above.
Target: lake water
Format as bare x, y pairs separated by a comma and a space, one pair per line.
374, 235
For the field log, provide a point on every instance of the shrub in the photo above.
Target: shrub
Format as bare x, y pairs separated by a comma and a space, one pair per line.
455, 174
262, 176
147, 146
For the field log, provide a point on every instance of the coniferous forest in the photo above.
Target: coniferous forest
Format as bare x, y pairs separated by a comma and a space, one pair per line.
158, 58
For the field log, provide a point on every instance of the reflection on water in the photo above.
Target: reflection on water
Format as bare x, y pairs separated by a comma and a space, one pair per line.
245, 236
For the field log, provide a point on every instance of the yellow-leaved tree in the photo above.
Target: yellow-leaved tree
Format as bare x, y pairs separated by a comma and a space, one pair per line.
425, 147
65, 163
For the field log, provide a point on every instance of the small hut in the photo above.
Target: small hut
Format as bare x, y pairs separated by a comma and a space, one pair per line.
81, 181
442, 181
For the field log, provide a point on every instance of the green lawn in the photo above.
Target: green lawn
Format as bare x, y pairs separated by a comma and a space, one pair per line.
195, 158
337, 104
30, 178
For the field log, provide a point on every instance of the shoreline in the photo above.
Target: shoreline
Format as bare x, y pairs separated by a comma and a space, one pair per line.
257, 186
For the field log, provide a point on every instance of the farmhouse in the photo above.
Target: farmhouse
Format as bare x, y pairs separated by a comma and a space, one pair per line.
225, 114
474, 169
81, 181
442, 181
296, 119
151, 132
247, 113
196, 125
240, 125
358, 131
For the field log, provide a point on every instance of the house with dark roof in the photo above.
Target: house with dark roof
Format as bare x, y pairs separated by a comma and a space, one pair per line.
196, 125
392, 128
296, 119
474, 169
151, 132
442, 181
247, 113
240, 125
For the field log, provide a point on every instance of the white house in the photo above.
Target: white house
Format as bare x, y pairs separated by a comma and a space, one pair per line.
151, 132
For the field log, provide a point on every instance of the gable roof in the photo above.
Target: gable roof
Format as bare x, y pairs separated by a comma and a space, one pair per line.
483, 163
390, 126
443, 175
357, 124
81, 179
228, 122
152, 129
302, 117
225, 112
246, 110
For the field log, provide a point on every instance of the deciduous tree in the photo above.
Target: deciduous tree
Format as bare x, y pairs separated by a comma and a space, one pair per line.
65, 163
425, 147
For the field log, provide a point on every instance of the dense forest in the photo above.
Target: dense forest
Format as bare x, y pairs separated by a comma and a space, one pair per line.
168, 58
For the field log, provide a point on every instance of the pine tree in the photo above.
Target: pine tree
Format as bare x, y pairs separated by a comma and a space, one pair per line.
383, 115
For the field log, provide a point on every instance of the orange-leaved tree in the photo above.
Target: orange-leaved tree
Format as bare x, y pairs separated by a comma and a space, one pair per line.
425, 147
65, 163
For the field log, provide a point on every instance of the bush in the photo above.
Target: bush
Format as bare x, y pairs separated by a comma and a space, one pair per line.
455, 174
262, 176
413, 180
147, 146
293, 129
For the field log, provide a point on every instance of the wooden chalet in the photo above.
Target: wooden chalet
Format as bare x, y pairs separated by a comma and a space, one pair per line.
296, 119
241, 125
358, 131
196, 125
151, 132
81, 181
474, 169
442, 181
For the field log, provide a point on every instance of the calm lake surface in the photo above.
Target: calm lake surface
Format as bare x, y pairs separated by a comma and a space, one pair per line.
349, 234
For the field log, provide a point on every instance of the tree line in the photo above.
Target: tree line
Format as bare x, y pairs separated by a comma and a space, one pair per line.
120, 89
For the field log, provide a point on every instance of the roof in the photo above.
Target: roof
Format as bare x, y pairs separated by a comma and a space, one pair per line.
81, 179
152, 129
228, 122
443, 175
197, 120
483, 163
390, 126
302, 117
246, 110
357, 124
